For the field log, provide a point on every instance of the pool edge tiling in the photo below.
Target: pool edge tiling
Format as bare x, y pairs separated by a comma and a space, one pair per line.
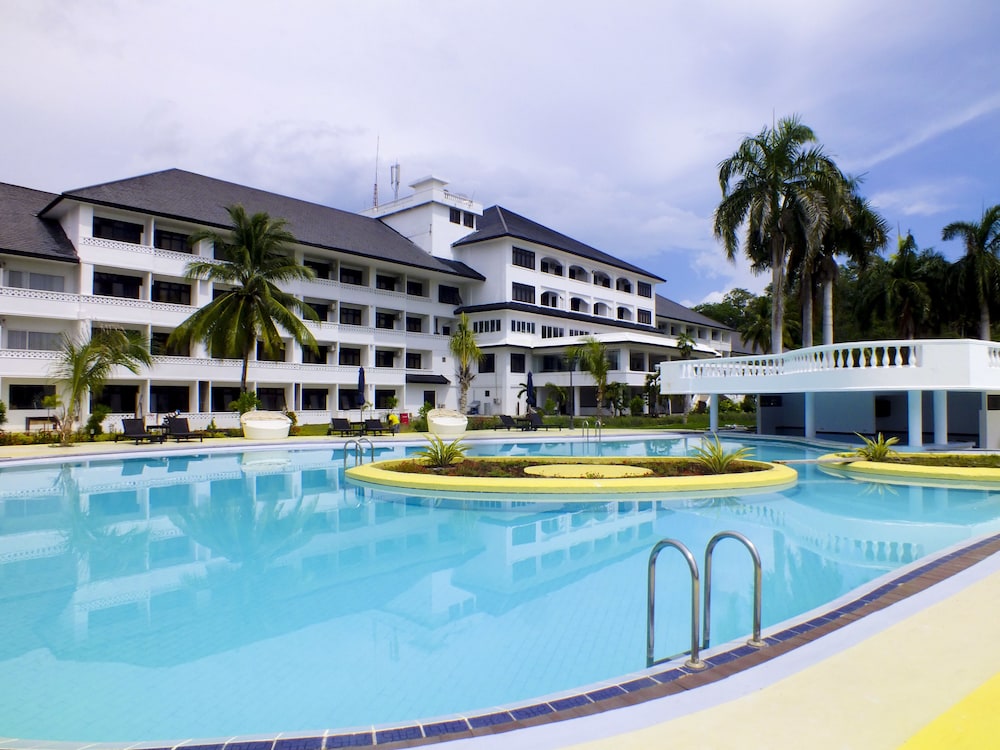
632, 689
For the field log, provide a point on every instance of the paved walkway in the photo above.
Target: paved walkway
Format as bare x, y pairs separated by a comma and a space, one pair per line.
922, 674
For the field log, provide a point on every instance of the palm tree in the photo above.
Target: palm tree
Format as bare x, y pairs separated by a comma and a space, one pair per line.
592, 355
84, 366
978, 272
253, 306
782, 192
465, 349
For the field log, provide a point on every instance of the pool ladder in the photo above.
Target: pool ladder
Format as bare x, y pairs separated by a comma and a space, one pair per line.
597, 430
359, 451
694, 662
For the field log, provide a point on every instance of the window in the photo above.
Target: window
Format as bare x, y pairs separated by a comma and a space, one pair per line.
314, 398
552, 266
623, 285
164, 399
115, 285
349, 356
322, 270
552, 332
415, 288
158, 346
523, 258
414, 361
488, 363
385, 358
350, 316
577, 274
309, 357
578, 332
34, 340
486, 326
321, 309
645, 289
121, 231
174, 241
44, 282
516, 362
352, 276
613, 359
552, 363
578, 305
386, 282
602, 279
222, 251
383, 397
469, 220
385, 320
455, 216
414, 325
646, 316
172, 292
30, 396
449, 295
272, 399
601, 309
523, 293
624, 313
637, 361
550, 299
522, 326
275, 356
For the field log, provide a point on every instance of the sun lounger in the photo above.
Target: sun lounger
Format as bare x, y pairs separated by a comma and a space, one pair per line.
506, 422
135, 429
376, 427
178, 429
343, 427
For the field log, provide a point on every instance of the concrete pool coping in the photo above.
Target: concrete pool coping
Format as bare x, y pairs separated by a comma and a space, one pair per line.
874, 682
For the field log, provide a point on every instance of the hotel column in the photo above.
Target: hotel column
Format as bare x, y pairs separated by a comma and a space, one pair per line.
713, 412
940, 417
810, 414
914, 400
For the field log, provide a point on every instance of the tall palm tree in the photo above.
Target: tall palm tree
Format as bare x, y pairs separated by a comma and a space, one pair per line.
858, 234
978, 271
903, 288
781, 191
464, 347
592, 355
254, 306
84, 366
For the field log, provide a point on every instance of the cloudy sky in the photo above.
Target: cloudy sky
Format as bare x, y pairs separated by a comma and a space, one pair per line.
603, 120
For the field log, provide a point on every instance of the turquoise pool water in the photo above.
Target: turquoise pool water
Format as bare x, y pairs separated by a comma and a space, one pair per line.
219, 594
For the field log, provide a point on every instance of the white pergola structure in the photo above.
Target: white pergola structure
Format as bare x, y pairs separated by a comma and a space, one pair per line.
913, 367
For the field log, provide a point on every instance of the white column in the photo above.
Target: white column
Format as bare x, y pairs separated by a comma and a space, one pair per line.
940, 417
915, 418
713, 412
810, 414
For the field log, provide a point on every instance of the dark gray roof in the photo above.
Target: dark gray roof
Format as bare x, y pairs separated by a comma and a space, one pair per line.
667, 308
500, 222
186, 196
23, 233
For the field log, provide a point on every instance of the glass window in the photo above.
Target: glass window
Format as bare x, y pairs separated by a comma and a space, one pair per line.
351, 276
523, 293
449, 295
314, 398
455, 216
322, 270
385, 358
488, 363
349, 356
350, 316
516, 362
469, 220
174, 241
115, 285
414, 325
29, 396
415, 288
158, 346
172, 292
523, 258
315, 358
386, 282
645, 316
645, 289
414, 361
121, 231
44, 282
385, 320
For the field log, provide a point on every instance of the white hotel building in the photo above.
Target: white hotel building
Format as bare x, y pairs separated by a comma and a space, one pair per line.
390, 284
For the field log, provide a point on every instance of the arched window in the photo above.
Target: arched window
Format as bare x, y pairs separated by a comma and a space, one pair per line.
602, 309
580, 305
602, 279
578, 273
623, 285
624, 313
550, 299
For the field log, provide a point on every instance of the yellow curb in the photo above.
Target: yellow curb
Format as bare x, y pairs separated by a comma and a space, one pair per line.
911, 473
773, 476
971, 724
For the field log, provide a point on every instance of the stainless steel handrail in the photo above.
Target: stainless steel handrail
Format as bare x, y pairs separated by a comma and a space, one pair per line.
359, 453
755, 640
694, 662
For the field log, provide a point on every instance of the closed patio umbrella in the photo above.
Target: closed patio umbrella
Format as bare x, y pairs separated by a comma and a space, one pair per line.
529, 393
360, 397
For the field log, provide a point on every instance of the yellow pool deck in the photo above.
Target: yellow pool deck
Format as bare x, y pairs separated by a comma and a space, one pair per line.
920, 674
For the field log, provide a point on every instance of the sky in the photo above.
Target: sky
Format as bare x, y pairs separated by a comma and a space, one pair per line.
605, 121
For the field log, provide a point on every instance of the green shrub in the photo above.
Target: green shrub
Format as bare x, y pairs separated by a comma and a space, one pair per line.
879, 449
636, 406
97, 416
716, 459
246, 401
439, 453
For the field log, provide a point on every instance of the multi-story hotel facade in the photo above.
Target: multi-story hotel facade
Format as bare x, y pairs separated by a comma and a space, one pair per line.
390, 286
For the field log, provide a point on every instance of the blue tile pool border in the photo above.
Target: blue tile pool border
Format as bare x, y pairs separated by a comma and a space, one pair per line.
674, 677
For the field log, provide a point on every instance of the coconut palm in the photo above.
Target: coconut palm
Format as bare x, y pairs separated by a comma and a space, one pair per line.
465, 349
250, 305
84, 366
978, 272
592, 355
782, 191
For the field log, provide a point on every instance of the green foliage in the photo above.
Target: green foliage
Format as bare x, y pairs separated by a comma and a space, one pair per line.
635, 406
879, 449
439, 454
3, 414
246, 401
465, 348
97, 416
716, 459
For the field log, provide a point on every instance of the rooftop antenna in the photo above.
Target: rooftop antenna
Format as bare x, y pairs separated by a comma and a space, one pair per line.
375, 192
394, 179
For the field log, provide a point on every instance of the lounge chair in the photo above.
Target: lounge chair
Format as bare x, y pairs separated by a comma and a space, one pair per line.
506, 421
342, 427
376, 427
135, 429
179, 429
533, 421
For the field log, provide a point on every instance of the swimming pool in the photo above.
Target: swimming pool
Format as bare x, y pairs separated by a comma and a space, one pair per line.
264, 594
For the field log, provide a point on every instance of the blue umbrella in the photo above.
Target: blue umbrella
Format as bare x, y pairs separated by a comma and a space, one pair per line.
529, 393
360, 397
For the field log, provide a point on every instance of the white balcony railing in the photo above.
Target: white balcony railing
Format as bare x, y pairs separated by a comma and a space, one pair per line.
900, 365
